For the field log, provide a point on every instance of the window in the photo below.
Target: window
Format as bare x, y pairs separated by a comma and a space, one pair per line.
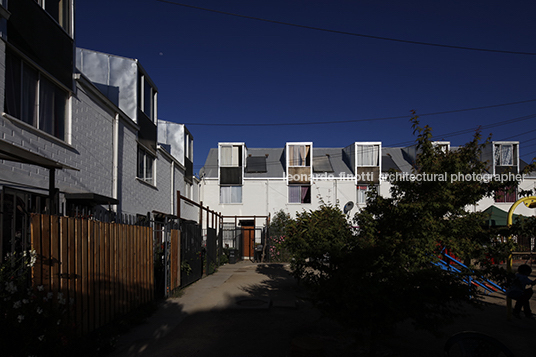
33, 98
507, 195
230, 155
299, 194
145, 166
505, 155
59, 10
299, 155
189, 146
230, 194
362, 194
367, 155
147, 97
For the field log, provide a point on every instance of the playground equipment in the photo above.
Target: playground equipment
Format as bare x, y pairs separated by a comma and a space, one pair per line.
451, 264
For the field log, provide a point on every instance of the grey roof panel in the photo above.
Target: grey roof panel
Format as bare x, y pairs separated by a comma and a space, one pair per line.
322, 164
256, 164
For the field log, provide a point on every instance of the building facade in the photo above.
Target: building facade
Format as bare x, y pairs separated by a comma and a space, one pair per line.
79, 129
246, 181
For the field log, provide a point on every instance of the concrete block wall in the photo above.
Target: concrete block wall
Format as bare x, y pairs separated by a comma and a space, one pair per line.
92, 137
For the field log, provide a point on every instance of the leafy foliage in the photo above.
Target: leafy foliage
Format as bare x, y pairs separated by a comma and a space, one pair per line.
385, 273
32, 321
277, 250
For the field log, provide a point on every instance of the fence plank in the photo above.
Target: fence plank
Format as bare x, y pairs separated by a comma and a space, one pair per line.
105, 268
45, 252
84, 241
150, 248
102, 274
54, 255
107, 271
37, 270
72, 265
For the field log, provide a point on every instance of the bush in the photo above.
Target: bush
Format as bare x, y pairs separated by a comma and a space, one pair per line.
32, 320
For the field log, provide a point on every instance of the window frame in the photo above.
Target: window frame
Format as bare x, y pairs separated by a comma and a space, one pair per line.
235, 157
498, 154
359, 155
361, 193
144, 84
230, 194
503, 196
47, 96
64, 15
144, 157
293, 161
303, 198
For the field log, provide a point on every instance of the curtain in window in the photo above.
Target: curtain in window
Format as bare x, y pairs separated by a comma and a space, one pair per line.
507, 155
367, 155
52, 104
507, 195
294, 194
141, 163
226, 155
225, 194
148, 168
306, 194
12, 100
231, 194
29, 97
298, 155
362, 194
236, 194
46, 106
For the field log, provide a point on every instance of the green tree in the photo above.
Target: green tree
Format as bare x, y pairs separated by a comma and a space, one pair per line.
277, 236
387, 272
318, 242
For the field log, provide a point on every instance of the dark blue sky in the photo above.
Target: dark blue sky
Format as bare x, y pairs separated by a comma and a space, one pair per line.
213, 69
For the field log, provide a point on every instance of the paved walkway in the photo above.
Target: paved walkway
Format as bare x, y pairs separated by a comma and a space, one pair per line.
248, 309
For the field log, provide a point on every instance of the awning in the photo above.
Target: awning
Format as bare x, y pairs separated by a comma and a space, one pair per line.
498, 217
11, 152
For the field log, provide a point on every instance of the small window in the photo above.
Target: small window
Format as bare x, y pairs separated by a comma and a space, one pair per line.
145, 166
231, 155
299, 155
299, 194
59, 10
367, 155
505, 155
33, 98
362, 194
230, 194
147, 97
507, 195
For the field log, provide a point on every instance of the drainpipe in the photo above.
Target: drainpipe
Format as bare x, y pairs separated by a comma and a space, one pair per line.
172, 185
115, 157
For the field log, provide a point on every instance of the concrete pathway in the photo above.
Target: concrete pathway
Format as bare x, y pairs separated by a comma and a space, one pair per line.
249, 310
236, 292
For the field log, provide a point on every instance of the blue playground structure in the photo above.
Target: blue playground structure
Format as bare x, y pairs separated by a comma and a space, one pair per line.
451, 264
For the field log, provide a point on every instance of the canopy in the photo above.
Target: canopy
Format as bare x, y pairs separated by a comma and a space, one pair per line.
498, 217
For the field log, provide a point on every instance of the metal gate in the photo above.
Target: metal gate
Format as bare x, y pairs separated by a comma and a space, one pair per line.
165, 256
212, 249
191, 252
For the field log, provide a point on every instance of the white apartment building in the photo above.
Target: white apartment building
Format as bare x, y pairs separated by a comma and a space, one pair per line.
241, 181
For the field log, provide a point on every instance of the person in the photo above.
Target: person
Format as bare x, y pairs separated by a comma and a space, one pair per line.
519, 292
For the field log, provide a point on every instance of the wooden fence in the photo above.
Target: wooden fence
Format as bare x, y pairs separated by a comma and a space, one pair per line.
104, 269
